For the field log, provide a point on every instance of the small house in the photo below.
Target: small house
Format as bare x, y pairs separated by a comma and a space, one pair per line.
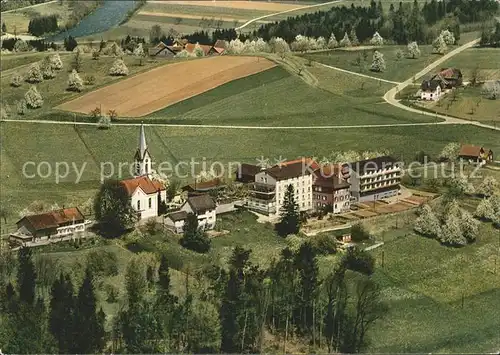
475, 154
202, 206
449, 78
246, 173
431, 90
162, 50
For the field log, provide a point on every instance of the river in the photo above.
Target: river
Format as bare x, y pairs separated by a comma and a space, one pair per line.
106, 16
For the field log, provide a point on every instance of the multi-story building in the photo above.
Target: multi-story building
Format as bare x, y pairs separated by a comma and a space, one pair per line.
331, 191
202, 206
268, 191
373, 179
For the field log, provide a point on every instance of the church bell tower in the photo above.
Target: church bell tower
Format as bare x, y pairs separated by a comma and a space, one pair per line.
142, 157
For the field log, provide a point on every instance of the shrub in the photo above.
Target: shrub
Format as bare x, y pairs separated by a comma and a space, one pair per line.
104, 122
21, 107
102, 263
358, 260
324, 244
359, 233
33, 98
96, 55
198, 51
17, 80
75, 83
119, 68
34, 74
89, 80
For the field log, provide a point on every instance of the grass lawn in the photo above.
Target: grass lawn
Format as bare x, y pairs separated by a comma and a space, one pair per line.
277, 98
11, 61
485, 60
54, 90
90, 146
397, 70
18, 21
425, 284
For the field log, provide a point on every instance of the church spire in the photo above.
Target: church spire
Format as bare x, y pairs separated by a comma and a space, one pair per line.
142, 142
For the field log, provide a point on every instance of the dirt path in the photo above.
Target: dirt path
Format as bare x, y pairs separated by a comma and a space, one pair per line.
285, 12
390, 96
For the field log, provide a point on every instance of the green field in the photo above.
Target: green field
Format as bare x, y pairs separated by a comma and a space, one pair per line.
10, 61
90, 146
397, 70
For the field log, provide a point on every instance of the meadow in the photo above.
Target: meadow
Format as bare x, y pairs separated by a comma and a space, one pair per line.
359, 61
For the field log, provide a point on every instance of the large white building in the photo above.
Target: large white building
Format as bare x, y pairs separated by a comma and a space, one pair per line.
268, 191
145, 193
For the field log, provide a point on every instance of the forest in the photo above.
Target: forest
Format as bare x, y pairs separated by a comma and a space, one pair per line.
236, 309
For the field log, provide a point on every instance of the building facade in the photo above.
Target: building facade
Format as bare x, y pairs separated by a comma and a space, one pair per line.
331, 192
202, 206
430, 90
373, 179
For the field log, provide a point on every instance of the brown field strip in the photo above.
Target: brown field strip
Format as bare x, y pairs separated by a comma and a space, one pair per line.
146, 93
247, 5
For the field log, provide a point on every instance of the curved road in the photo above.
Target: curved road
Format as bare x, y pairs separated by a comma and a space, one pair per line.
390, 96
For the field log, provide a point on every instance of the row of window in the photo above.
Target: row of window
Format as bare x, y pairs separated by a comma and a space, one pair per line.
139, 204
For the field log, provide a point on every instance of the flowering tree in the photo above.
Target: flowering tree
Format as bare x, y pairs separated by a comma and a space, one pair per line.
261, 46
301, 44
448, 37
469, 226
487, 186
21, 46
236, 46
439, 45
378, 63
491, 89
47, 71
279, 46
485, 210
34, 74
354, 38
55, 61
321, 43
332, 42
17, 80
427, 223
377, 40
413, 50
139, 53
119, 68
450, 152
183, 54
198, 51
345, 42
21, 107
451, 233
75, 83
33, 98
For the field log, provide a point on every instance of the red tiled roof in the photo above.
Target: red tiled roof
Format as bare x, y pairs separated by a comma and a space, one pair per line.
220, 44
190, 48
450, 73
469, 150
54, 219
146, 184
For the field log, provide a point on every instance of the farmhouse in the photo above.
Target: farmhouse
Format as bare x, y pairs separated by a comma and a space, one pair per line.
449, 78
431, 90
373, 179
267, 193
50, 227
166, 51
162, 50
203, 206
475, 154
145, 193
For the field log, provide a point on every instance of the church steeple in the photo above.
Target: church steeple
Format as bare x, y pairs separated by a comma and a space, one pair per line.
142, 157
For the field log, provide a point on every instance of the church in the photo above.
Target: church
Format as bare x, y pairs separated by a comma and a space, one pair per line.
145, 192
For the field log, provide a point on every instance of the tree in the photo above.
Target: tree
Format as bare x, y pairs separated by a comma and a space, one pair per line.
90, 324
450, 152
4, 27
448, 37
75, 83
198, 51
289, 214
359, 233
413, 50
21, 46
34, 74
155, 33
77, 61
485, 210
377, 40
332, 42
47, 71
56, 62
301, 44
139, 53
439, 45
70, 43
356, 259
61, 314
491, 90
21, 107
33, 98
451, 233
469, 226
488, 186
279, 46
17, 80
378, 63
194, 238
427, 223
345, 42
26, 276
112, 208
119, 68
354, 37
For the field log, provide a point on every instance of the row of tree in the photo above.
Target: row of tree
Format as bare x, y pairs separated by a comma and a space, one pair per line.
43, 24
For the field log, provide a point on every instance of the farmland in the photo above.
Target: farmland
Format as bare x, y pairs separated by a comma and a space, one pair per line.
156, 89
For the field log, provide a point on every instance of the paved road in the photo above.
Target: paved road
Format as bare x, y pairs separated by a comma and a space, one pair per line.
359, 74
390, 96
286, 11
29, 7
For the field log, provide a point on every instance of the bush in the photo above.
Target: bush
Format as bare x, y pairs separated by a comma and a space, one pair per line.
75, 83
119, 68
324, 244
34, 74
33, 98
359, 233
17, 80
102, 263
89, 80
358, 260
21, 107
104, 122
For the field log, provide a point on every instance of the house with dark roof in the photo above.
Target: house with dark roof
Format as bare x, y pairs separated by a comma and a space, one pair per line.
449, 77
373, 179
267, 193
330, 190
202, 206
431, 90
246, 173
475, 154
162, 50
49, 227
